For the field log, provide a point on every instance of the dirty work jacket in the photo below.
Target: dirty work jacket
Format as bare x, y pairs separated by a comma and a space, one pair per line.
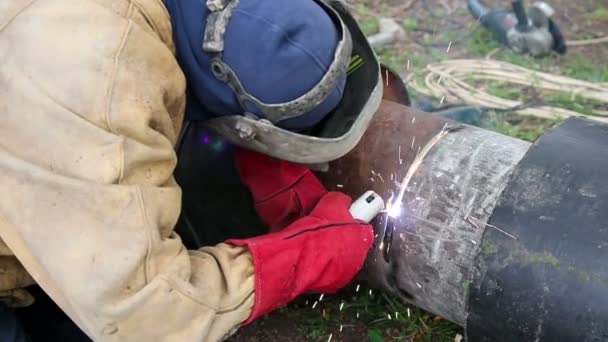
91, 103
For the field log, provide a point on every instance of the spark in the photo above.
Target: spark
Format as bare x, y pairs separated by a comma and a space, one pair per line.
357, 290
442, 99
400, 160
489, 225
341, 306
306, 302
413, 120
357, 314
380, 176
370, 292
396, 315
473, 241
413, 140
373, 173
389, 316
321, 297
392, 176
387, 77
449, 46
329, 339
417, 284
314, 305
341, 326
440, 78
408, 313
372, 179
408, 65
340, 185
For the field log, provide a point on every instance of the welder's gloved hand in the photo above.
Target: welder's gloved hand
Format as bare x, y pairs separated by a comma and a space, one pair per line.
282, 191
320, 252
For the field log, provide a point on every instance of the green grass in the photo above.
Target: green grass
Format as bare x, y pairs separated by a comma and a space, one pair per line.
384, 317
600, 13
369, 23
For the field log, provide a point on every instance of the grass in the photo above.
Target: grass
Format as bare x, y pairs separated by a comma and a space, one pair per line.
382, 317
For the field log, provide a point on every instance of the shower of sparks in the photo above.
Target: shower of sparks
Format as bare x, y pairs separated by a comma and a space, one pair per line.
329, 339
357, 289
449, 46
442, 99
321, 298
408, 65
314, 305
341, 306
395, 206
408, 313
413, 141
340, 185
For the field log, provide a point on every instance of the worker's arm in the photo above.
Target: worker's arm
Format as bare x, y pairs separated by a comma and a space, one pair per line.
88, 103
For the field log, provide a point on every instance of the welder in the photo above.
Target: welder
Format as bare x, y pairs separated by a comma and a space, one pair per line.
93, 96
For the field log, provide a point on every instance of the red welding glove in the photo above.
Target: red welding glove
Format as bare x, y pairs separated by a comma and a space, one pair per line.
320, 252
282, 191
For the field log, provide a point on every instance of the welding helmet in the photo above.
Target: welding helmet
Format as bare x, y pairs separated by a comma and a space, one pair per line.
295, 79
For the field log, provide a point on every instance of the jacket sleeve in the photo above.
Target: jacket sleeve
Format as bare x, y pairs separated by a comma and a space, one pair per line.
91, 103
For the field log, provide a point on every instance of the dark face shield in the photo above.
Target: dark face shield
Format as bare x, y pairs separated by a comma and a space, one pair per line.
338, 132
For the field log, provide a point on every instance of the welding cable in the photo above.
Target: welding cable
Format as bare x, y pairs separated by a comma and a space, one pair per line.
452, 79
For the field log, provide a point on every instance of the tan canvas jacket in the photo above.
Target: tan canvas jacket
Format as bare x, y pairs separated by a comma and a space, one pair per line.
91, 103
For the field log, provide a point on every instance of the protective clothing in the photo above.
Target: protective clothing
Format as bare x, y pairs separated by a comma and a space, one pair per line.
282, 191
92, 101
320, 252
292, 52
321, 82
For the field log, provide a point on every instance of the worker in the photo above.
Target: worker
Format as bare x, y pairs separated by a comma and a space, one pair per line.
92, 97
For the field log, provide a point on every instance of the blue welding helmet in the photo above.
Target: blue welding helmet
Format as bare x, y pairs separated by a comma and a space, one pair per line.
294, 79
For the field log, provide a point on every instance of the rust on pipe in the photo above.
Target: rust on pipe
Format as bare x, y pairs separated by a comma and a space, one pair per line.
430, 256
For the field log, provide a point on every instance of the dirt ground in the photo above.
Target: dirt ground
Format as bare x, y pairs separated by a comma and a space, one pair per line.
431, 25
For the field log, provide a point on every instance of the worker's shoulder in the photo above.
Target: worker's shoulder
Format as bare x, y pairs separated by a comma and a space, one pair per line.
32, 17
86, 57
